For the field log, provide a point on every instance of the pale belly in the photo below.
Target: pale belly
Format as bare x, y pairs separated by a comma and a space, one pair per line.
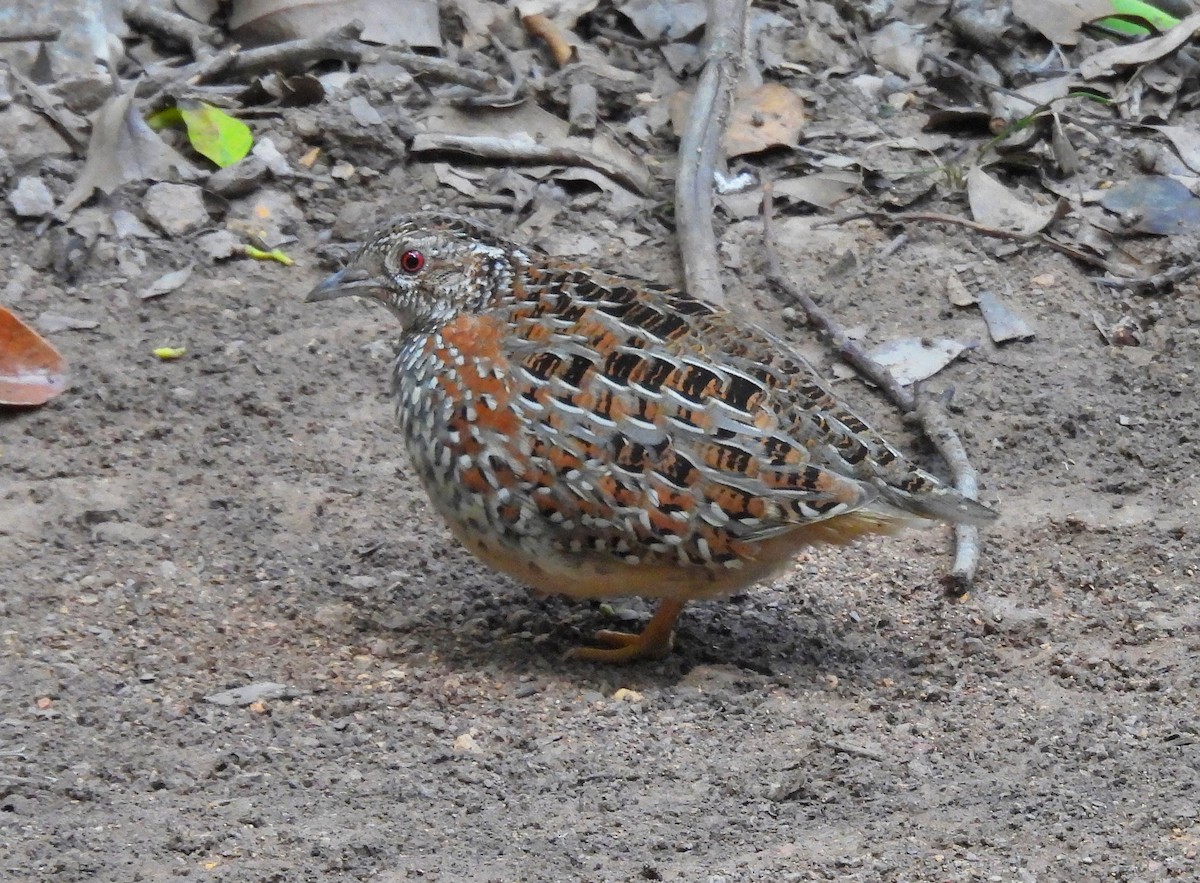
547, 569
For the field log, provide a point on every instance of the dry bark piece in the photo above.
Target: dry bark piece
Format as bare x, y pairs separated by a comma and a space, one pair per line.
548, 32
582, 111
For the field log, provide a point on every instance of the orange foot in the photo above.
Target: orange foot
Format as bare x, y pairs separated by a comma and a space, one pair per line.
653, 643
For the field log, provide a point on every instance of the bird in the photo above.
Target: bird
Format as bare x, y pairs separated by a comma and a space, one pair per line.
593, 434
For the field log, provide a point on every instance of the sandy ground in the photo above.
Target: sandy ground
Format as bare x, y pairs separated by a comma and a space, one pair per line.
245, 517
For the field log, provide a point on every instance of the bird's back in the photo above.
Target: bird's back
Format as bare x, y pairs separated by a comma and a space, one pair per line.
584, 416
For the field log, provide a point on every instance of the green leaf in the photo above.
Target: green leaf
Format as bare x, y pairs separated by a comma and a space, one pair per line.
212, 132
1131, 13
168, 116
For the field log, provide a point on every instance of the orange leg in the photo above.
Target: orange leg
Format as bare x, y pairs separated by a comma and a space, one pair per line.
653, 643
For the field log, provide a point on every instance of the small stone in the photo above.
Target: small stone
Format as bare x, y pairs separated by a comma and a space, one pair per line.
266, 151
364, 114
239, 179
53, 323
219, 245
167, 283
271, 214
466, 744
123, 532
31, 198
127, 224
84, 93
176, 209
28, 137
252, 693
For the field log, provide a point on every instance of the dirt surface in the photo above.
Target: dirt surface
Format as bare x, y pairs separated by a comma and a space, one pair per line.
245, 516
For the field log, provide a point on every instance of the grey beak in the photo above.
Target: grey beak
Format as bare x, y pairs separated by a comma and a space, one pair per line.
348, 280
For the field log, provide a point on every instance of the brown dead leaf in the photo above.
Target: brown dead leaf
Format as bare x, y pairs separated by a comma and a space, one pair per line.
770, 116
31, 371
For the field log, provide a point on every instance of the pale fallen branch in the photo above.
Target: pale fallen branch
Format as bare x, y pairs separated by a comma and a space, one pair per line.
523, 149
700, 148
927, 413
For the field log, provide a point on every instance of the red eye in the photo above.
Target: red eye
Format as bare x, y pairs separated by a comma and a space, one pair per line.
412, 261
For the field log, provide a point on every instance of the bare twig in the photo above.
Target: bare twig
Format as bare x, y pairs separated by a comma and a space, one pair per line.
995, 232
30, 33
522, 149
894, 246
927, 413
447, 71
936, 425
1151, 284
1090, 126
179, 29
700, 148
341, 44
851, 750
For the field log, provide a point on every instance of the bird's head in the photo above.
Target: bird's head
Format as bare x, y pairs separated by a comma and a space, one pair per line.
426, 268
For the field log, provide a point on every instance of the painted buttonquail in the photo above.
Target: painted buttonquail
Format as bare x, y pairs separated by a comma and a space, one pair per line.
595, 435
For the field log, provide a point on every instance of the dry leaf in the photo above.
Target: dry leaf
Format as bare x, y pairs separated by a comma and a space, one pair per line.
1060, 20
1105, 63
957, 292
996, 206
31, 371
916, 358
122, 149
167, 283
1155, 204
673, 19
1003, 324
898, 47
412, 23
770, 116
1186, 142
822, 189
